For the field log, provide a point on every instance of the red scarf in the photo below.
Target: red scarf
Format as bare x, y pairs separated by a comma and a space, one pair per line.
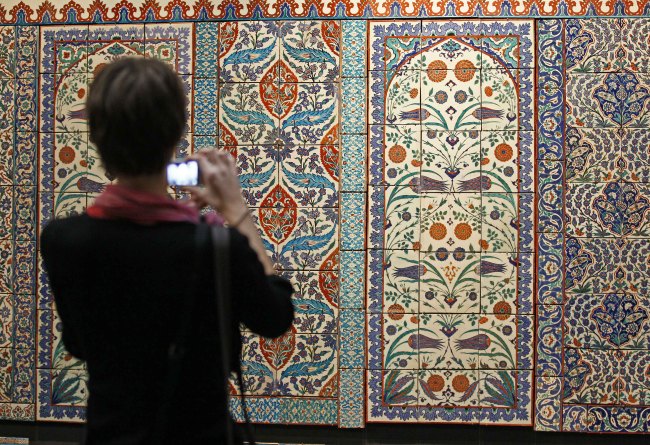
119, 202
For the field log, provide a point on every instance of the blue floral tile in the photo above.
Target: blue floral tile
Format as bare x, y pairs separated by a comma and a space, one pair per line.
205, 111
353, 221
50, 383
352, 353
632, 371
384, 36
300, 410
64, 49
258, 170
311, 50
607, 100
351, 406
315, 300
353, 106
593, 155
593, 45
261, 410
207, 49
6, 207
550, 268
609, 321
506, 397
244, 117
615, 209
107, 43
392, 396
547, 403
24, 213
311, 369
313, 115
26, 103
635, 49
549, 340
585, 259
353, 163
248, 51
171, 43
634, 162
24, 162
6, 158
586, 381
352, 279
353, 62
311, 175
8, 64
313, 242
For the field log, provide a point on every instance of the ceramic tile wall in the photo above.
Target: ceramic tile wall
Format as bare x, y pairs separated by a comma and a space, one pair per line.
592, 352
462, 163
450, 291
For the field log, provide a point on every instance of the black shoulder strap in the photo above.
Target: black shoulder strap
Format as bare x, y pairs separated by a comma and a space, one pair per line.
221, 241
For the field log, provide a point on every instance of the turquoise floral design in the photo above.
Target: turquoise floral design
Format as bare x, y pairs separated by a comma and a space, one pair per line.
622, 98
618, 319
621, 208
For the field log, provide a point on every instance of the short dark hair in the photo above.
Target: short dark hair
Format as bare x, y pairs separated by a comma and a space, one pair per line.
136, 115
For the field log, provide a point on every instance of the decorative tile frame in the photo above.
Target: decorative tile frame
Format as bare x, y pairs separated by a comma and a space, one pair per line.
18, 76
274, 156
87, 47
84, 11
583, 372
398, 392
27, 181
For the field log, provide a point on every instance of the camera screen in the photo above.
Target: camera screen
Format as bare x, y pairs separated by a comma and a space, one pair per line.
182, 174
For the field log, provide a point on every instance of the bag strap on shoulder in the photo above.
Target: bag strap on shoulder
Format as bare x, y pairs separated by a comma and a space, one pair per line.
221, 242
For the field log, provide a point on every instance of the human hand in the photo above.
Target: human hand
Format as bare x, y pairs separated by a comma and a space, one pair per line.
221, 190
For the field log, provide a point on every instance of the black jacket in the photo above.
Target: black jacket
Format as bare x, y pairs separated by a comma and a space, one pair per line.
119, 289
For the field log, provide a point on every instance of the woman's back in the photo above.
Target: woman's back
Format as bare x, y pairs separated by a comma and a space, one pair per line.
121, 309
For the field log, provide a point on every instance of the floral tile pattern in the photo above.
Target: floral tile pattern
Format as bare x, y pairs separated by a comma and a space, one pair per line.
70, 172
450, 222
410, 149
278, 113
593, 317
18, 104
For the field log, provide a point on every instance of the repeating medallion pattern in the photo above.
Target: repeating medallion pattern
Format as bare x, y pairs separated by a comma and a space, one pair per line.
593, 199
449, 290
278, 114
402, 179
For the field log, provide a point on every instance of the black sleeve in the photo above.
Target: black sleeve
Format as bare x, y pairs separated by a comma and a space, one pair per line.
62, 287
262, 302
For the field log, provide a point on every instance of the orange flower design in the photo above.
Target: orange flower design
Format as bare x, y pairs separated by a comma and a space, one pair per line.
436, 383
502, 310
484, 244
413, 93
438, 231
67, 154
485, 161
503, 152
437, 71
465, 70
488, 91
463, 231
396, 312
397, 154
81, 93
460, 383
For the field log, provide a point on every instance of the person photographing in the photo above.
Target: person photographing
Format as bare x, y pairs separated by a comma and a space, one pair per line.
133, 274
